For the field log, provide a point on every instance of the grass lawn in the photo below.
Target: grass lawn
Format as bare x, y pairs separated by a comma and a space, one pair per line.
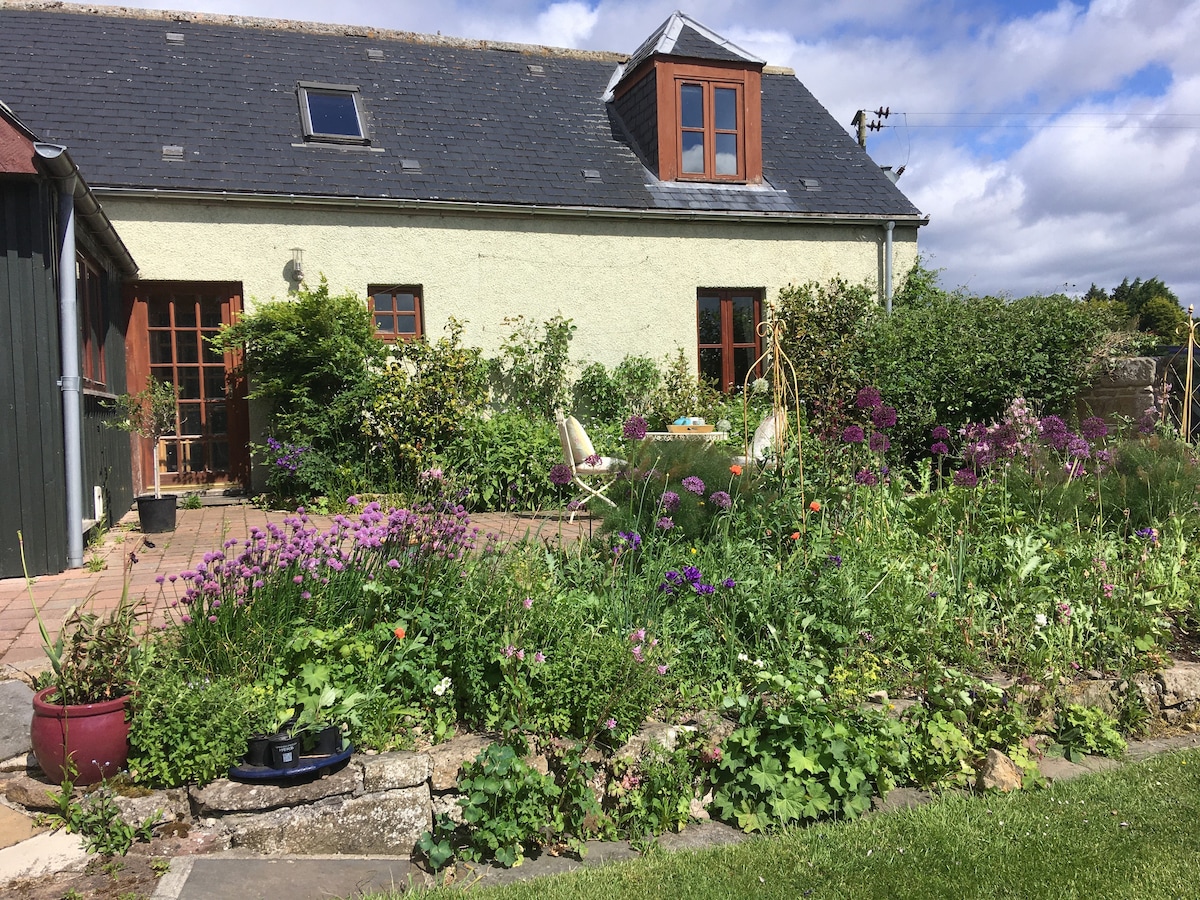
1132, 833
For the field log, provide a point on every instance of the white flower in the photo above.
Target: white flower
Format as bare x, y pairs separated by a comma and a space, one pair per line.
742, 657
1040, 620
442, 686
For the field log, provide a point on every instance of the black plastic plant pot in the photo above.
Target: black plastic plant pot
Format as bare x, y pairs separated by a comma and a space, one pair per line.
325, 741
285, 752
156, 514
258, 750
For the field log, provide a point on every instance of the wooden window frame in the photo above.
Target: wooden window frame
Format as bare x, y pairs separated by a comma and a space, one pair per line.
94, 321
727, 346
670, 77
393, 336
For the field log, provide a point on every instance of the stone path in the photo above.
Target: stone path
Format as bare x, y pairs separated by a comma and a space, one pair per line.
199, 531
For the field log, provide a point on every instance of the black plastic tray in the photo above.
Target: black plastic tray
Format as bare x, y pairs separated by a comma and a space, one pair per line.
307, 765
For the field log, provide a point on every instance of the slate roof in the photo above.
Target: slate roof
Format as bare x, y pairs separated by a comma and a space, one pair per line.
459, 121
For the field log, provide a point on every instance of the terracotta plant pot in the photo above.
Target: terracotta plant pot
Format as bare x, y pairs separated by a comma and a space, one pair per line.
94, 735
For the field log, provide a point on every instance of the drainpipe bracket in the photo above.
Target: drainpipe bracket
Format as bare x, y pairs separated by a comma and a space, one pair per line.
68, 383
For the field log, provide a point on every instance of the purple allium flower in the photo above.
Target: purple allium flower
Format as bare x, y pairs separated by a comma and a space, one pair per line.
666, 523
670, 501
1054, 432
939, 449
721, 499
853, 434
868, 398
629, 539
593, 460
635, 428
966, 478
1079, 448
693, 484
879, 442
884, 417
1094, 428
560, 474
940, 433
865, 476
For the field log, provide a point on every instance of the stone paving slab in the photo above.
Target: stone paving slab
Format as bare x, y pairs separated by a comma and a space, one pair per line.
283, 878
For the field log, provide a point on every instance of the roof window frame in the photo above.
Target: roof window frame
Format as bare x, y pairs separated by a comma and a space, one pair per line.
304, 88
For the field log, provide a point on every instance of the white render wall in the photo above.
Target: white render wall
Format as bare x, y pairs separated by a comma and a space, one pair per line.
629, 284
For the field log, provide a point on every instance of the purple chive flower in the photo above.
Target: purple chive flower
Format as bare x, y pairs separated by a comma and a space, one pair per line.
352, 501
1094, 428
670, 501
879, 442
868, 398
560, 474
939, 449
666, 523
940, 433
865, 476
693, 484
853, 434
635, 428
721, 499
884, 417
966, 478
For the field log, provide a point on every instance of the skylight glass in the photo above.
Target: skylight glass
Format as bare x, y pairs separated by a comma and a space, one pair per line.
331, 112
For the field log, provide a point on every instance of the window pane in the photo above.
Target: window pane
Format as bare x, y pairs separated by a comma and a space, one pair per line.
691, 106
405, 303
189, 418
710, 365
725, 109
210, 312
187, 348
693, 152
185, 313
214, 382
160, 315
383, 302
743, 360
333, 114
406, 324
727, 161
189, 384
168, 457
195, 456
220, 454
709, 315
385, 324
160, 347
218, 419
210, 355
163, 373
743, 320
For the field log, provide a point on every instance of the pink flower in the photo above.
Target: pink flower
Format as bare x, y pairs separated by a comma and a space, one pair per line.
662, 670
539, 657
527, 603
610, 724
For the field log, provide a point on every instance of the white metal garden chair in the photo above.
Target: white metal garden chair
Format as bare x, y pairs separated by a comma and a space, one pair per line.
768, 436
581, 457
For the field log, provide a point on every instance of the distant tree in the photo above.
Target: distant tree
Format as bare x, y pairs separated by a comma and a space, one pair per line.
1164, 318
1150, 304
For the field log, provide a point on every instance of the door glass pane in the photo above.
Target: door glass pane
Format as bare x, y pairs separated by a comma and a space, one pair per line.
162, 373
710, 365
185, 312
189, 384
220, 456
210, 312
160, 315
210, 355
187, 348
195, 456
725, 109
743, 360
218, 419
168, 457
693, 152
189, 418
214, 382
709, 314
743, 320
160, 347
691, 106
727, 161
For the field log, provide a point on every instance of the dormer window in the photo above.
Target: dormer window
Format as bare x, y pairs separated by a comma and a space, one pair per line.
710, 144
331, 112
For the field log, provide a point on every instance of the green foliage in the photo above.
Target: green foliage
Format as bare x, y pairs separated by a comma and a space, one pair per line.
681, 392
1164, 317
800, 761
653, 793
1083, 730
823, 337
421, 398
951, 359
510, 809
503, 461
96, 818
604, 396
149, 413
186, 729
530, 374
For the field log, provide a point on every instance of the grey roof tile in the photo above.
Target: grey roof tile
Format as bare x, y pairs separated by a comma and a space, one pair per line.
481, 126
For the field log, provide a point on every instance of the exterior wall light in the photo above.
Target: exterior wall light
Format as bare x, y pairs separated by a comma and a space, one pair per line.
297, 264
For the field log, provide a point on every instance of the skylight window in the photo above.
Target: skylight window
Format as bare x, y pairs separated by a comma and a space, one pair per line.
331, 112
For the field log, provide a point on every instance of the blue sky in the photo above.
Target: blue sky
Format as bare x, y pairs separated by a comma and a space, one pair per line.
1052, 144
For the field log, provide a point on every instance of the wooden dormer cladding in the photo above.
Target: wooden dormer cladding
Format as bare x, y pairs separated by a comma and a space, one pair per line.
695, 120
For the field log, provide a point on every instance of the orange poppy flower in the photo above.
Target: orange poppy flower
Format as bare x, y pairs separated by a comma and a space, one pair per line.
735, 469
795, 535
400, 632
815, 506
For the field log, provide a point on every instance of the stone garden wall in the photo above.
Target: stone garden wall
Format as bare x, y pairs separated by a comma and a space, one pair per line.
1126, 390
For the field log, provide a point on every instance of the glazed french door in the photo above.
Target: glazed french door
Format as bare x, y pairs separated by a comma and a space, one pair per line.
172, 324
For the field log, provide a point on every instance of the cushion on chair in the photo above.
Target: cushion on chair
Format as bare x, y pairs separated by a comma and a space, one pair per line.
581, 444
607, 464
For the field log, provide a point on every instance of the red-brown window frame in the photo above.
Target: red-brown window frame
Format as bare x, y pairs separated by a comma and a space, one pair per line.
710, 131
669, 77
727, 346
93, 320
418, 310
